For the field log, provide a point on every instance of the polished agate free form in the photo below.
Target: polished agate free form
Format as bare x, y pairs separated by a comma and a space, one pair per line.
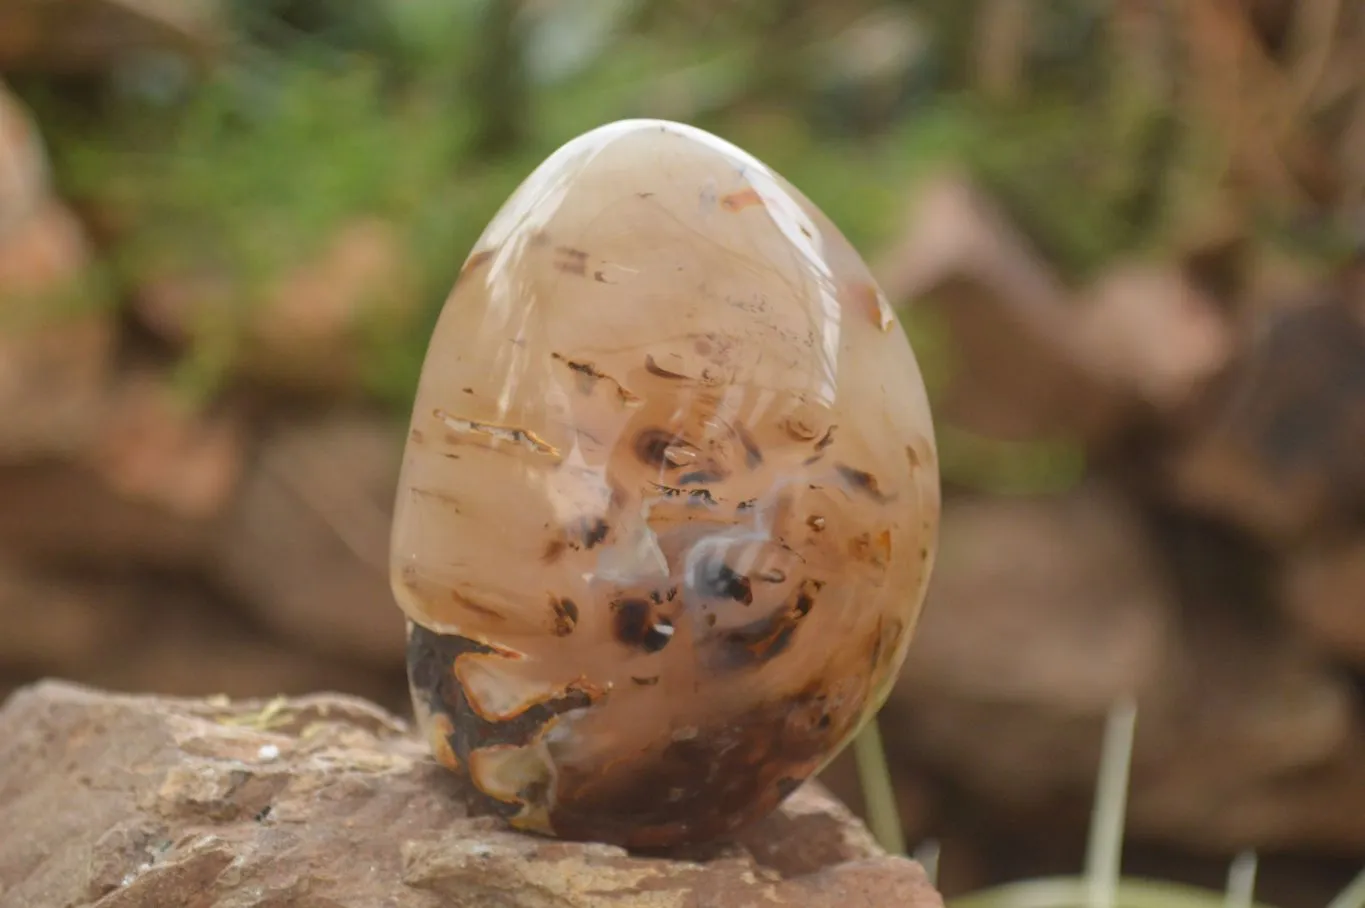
670, 495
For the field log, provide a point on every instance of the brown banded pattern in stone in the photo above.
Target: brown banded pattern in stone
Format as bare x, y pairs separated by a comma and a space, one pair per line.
658, 537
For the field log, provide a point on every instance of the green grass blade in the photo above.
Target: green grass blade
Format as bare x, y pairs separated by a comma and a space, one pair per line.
879, 795
1241, 881
1105, 849
927, 855
1353, 896
1074, 892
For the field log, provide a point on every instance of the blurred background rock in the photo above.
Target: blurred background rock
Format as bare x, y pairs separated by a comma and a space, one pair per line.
1125, 236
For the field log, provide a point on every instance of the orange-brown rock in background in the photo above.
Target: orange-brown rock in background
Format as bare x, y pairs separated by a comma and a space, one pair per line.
83, 36
183, 643
1012, 370
130, 633
1150, 327
1276, 447
1042, 613
1324, 592
1045, 612
23, 163
56, 341
1029, 357
136, 802
56, 344
66, 515
304, 547
58, 625
308, 327
1256, 738
158, 447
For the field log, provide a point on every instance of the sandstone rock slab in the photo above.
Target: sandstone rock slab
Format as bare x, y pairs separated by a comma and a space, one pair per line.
139, 801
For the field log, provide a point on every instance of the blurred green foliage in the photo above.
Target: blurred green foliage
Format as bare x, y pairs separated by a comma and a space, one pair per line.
429, 112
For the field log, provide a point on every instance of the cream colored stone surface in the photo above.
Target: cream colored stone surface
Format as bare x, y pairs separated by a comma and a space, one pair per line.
671, 469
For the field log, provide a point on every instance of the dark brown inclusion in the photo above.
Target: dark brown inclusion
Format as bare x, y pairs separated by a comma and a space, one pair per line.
565, 615
700, 476
594, 531
679, 792
766, 638
431, 675
717, 580
690, 790
636, 624
651, 445
862, 481
653, 368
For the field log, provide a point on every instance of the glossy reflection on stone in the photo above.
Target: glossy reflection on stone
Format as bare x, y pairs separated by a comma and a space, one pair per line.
670, 496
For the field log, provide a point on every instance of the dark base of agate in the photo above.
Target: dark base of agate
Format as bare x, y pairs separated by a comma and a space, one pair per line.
691, 792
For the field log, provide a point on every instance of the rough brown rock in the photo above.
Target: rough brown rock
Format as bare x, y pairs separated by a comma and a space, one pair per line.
135, 802
916, 794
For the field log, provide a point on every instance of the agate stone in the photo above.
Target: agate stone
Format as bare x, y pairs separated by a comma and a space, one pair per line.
670, 495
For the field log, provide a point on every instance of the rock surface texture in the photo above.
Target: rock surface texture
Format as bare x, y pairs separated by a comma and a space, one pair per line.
327, 801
